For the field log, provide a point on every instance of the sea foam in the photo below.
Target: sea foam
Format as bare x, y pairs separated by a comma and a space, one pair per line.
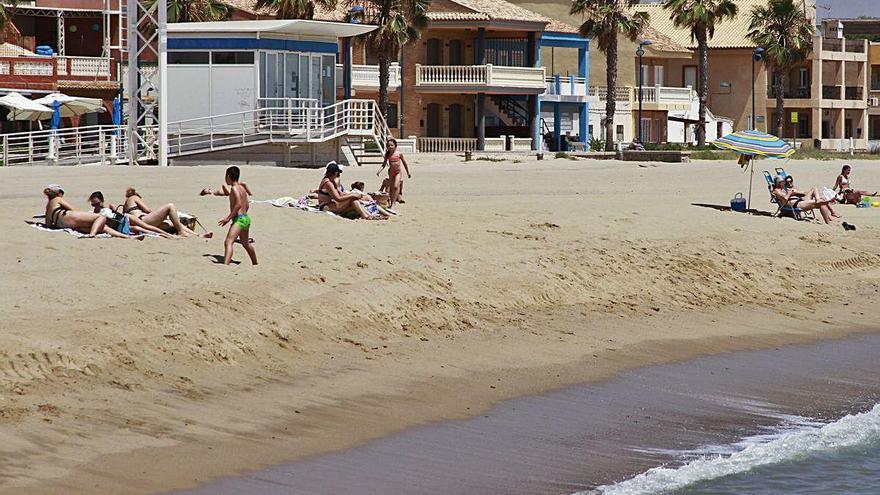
786, 445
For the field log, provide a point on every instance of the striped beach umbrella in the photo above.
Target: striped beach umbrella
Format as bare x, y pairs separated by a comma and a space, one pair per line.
755, 143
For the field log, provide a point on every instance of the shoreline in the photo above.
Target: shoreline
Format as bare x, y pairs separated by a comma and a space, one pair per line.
119, 360
281, 440
697, 405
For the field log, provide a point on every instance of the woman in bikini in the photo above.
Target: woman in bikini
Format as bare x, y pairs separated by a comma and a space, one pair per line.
393, 159
61, 215
846, 193
809, 201
134, 205
332, 197
96, 201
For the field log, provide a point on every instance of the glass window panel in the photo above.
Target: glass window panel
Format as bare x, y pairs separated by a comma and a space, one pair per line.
239, 58
328, 79
187, 58
315, 78
291, 76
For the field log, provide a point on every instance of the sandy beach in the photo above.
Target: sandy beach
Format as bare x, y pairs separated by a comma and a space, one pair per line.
141, 367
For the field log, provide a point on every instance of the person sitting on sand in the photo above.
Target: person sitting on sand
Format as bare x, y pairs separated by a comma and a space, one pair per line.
394, 159
810, 201
135, 206
846, 193
332, 198
96, 201
369, 201
61, 215
789, 186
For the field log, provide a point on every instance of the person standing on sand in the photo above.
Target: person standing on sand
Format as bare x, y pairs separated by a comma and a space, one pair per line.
393, 159
238, 215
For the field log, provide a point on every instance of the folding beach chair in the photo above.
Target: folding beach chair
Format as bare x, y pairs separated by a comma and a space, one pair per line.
785, 210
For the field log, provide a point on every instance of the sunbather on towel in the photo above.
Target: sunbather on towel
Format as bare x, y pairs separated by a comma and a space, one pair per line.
809, 201
61, 215
134, 205
369, 201
332, 198
845, 190
96, 201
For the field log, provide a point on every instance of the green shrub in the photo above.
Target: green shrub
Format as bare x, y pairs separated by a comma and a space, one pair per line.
597, 144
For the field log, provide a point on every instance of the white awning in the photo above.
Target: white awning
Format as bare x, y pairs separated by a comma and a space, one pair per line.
21, 108
280, 26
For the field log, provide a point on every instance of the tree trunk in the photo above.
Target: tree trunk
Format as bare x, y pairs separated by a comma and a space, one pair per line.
384, 64
703, 86
779, 85
610, 98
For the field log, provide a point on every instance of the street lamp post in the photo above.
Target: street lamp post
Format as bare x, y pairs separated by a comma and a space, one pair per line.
757, 55
640, 52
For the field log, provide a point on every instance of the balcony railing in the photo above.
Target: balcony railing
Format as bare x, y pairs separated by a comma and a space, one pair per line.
831, 92
663, 94
854, 46
832, 45
366, 77
791, 93
566, 86
464, 77
49, 68
854, 93
623, 94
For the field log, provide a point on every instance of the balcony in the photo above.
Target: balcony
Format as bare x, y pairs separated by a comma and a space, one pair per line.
664, 95
566, 89
622, 94
832, 45
46, 70
831, 92
480, 79
792, 93
366, 77
854, 46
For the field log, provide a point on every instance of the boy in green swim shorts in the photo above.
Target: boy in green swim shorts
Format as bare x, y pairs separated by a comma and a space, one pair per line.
238, 215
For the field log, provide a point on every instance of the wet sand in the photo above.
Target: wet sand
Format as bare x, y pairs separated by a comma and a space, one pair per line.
583, 436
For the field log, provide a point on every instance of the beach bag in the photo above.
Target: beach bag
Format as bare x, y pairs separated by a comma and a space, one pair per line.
117, 221
738, 203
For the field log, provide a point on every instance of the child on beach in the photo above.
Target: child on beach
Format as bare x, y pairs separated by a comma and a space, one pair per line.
238, 215
393, 159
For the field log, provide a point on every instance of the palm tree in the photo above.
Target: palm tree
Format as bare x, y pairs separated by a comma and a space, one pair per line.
399, 22
295, 9
786, 35
701, 17
5, 16
197, 10
605, 20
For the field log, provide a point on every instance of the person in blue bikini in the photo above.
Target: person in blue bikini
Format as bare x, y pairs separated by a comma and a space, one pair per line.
238, 215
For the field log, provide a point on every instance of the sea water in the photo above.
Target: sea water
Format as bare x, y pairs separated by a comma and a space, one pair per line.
800, 456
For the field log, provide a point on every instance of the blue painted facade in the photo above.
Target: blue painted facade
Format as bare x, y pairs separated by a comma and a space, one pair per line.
251, 44
582, 45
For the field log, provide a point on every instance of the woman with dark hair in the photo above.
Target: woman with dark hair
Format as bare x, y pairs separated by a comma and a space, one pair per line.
135, 206
333, 198
117, 221
394, 159
61, 215
845, 191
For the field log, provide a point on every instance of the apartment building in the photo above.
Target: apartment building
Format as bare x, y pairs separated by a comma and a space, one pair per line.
85, 39
874, 97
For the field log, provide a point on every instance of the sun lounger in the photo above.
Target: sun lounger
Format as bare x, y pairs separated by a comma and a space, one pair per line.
785, 210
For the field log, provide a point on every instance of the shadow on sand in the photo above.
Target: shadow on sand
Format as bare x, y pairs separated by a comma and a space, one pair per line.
759, 213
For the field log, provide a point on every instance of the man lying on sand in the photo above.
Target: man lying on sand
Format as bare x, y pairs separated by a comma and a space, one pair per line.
809, 201
135, 206
61, 215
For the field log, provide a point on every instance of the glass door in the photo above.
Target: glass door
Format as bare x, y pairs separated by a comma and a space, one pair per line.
291, 81
315, 78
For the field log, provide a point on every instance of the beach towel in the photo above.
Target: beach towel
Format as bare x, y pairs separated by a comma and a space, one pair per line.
304, 203
42, 226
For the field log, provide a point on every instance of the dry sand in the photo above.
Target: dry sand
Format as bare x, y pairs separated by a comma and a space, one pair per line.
138, 367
